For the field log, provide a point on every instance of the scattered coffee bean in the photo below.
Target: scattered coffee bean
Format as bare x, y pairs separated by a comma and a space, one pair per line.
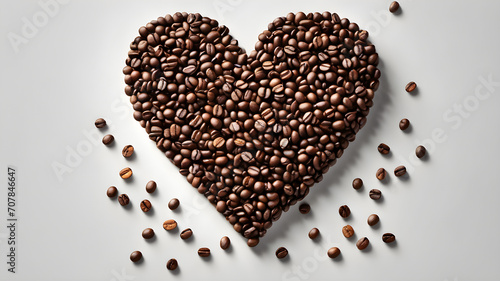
373, 219
381, 173
123, 199
204, 252
404, 124
112, 191
394, 7
388, 237
136, 256
420, 151
410, 87
362, 243
281, 253
400, 171
344, 211
186, 233
151, 186
148, 233
383, 148
252, 242
225, 243
173, 204
108, 139
314, 233
169, 224
172, 264
100, 123
127, 151
126, 173
146, 205
333, 252
348, 231
304, 208
357, 183
375, 194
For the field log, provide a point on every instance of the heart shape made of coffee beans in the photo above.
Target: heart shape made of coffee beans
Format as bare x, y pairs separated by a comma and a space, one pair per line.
252, 132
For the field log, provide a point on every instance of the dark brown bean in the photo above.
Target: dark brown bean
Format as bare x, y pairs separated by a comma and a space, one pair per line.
186, 233
304, 208
373, 219
135, 256
314, 233
281, 253
100, 123
127, 151
126, 173
146, 205
148, 233
383, 148
388, 237
151, 186
173, 203
112, 191
375, 194
172, 264
400, 171
410, 87
123, 199
204, 252
381, 174
357, 183
404, 124
108, 139
348, 231
394, 7
344, 211
225, 242
333, 252
420, 151
362, 243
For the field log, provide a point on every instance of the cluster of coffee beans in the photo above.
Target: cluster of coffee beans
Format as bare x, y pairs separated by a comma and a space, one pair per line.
252, 132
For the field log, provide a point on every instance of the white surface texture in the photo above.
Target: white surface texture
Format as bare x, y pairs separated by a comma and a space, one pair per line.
66, 72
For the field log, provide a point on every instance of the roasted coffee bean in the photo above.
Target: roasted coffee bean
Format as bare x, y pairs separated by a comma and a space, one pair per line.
135, 256
100, 123
344, 211
151, 186
375, 194
281, 253
225, 243
169, 224
172, 264
148, 233
420, 151
383, 148
394, 7
304, 208
381, 173
123, 199
373, 219
108, 139
146, 205
314, 233
357, 183
400, 171
333, 252
252, 242
404, 124
127, 151
410, 87
348, 231
126, 173
204, 252
388, 237
186, 233
173, 203
112, 191
362, 243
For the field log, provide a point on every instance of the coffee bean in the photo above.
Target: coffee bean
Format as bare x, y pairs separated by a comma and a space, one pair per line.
394, 7
357, 183
348, 231
383, 148
112, 191
410, 87
135, 256
362, 243
404, 124
146, 206
100, 123
281, 252
173, 203
148, 233
126, 173
252, 242
375, 194
204, 252
344, 211
123, 199
381, 173
314, 233
304, 208
373, 219
388, 237
186, 233
333, 252
172, 264
127, 151
108, 139
219, 142
400, 171
169, 224
420, 151
151, 186
225, 243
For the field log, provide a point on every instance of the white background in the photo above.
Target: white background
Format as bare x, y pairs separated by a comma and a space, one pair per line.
67, 73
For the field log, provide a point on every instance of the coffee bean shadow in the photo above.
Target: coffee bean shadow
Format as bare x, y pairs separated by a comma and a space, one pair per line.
388, 155
103, 129
380, 200
338, 259
151, 212
174, 231
393, 244
177, 210
349, 218
111, 145
409, 129
368, 249
130, 180
132, 157
151, 240
229, 250
140, 262
387, 180
318, 239
405, 177
208, 259
128, 207
353, 238
377, 226
426, 157
415, 92
398, 12
154, 194
190, 240
286, 259
177, 271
